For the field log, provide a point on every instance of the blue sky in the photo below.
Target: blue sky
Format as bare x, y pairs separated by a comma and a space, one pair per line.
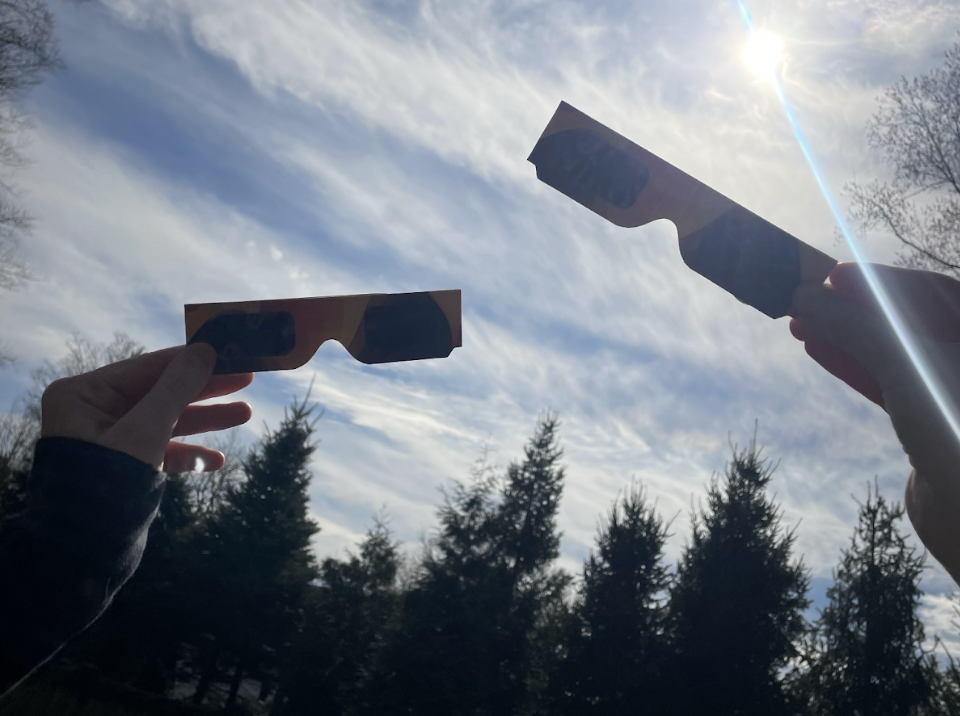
214, 151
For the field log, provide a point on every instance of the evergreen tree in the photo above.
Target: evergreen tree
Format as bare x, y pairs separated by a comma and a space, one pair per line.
348, 618
946, 690
870, 636
616, 643
736, 609
466, 643
256, 563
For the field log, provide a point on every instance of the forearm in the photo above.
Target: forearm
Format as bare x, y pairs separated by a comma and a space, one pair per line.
62, 561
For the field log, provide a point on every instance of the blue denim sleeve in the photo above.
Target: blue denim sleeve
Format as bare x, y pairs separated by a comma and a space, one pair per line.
63, 559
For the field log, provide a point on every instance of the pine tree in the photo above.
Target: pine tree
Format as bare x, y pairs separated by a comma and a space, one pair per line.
946, 690
736, 609
256, 563
348, 617
870, 657
466, 644
616, 643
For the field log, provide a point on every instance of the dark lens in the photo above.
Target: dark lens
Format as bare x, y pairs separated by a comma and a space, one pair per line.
242, 339
582, 165
751, 258
407, 327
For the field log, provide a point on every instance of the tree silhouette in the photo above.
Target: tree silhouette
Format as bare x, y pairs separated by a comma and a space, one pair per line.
347, 621
915, 129
465, 644
870, 657
616, 645
28, 50
736, 609
255, 558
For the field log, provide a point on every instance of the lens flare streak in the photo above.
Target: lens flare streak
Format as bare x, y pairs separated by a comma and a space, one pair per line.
910, 346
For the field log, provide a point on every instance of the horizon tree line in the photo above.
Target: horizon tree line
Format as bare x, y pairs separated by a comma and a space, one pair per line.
231, 611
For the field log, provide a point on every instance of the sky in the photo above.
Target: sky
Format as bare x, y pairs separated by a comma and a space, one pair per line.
205, 150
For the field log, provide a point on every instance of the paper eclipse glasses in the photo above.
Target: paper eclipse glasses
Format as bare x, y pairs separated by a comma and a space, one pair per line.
283, 334
748, 256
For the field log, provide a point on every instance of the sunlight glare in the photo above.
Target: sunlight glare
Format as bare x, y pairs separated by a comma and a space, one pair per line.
940, 396
762, 53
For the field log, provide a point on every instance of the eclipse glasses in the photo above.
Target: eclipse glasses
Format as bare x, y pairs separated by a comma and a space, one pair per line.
284, 334
757, 262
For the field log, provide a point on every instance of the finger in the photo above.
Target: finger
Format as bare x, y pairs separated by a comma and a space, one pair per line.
850, 278
837, 363
185, 457
801, 330
927, 303
846, 368
850, 281
220, 385
206, 418
850, 327
144, 431
134, 377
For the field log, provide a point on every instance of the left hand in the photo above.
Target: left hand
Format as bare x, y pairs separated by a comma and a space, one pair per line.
138, 405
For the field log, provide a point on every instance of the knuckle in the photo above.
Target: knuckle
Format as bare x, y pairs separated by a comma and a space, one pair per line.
55, 392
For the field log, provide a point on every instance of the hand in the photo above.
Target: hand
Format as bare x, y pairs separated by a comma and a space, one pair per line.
137, 405
844, 330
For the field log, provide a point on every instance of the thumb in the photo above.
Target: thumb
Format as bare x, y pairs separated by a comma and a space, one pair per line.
852, 328
146, 429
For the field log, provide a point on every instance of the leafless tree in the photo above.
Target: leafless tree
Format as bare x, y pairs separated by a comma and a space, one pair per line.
917, 130
20, 428
28, 50
82, 356
210, 489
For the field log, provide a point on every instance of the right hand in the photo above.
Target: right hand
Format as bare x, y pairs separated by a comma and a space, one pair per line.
845, 331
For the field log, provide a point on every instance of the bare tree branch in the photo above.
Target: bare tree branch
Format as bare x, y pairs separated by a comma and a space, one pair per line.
28, 50
82, 357
917, 129
210, 489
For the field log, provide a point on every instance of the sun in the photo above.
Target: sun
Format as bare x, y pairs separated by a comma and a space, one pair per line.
762, 53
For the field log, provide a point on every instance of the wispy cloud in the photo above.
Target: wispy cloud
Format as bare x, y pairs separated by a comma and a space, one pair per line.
217, 151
